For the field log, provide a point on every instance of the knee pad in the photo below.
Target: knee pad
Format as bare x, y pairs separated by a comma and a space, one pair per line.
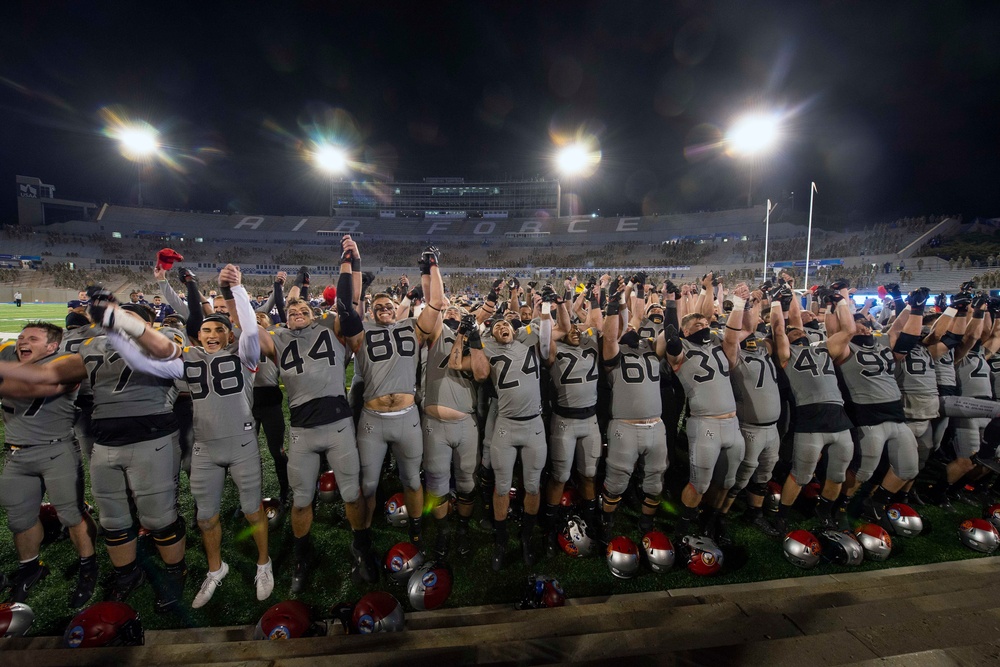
610, 499
168, 535
117, 538
757, 488
651, 501
466, 499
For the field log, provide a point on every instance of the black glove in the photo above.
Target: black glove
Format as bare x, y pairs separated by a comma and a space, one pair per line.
917, 299
302, 279
467, 324
432, 256
591, 282
474, 340
532, 284
892, 289
494, 296
674, 346
614, 296
994, 306
979, 301
838, 285
184, 275
415, 293
549, 295
968, 286
825, 295
513, 283
960, 302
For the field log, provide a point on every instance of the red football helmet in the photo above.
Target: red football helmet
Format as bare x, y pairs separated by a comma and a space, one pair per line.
802, 549
104, 624
429, 586
273, 511
165, 258
573, 538
54, 530
875, 541
330, 295
402, 560
704, 556
979, 535
327, 487
659, 551
541, 591
773, 497
812, 490
15, 619
992, 514
377, 612
904, 520
290, 619
395, 511
623, 557
570, 498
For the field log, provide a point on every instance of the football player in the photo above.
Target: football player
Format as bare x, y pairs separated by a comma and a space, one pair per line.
42, 456
219, 376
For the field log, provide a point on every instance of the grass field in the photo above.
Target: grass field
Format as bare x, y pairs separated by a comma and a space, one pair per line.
755, 558
13, 319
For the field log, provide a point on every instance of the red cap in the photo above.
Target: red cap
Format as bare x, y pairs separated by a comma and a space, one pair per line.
165, 258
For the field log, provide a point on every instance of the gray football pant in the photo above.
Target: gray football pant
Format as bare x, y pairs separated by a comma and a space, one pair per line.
334, 441
573, 437
807, 448
760, 455
488, 429
626, 443
376, 433
29, 472
716, 449
147, 469
903, 456
969, 436
447, 443
209, 462
509, 437
923, 432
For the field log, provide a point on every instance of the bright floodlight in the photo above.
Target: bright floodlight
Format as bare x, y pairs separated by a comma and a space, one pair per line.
331, 159
138, 141
573, 159
753, 134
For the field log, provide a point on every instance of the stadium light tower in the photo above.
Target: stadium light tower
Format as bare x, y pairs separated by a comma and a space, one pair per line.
139, 143
753, 136
576, 160
332, 161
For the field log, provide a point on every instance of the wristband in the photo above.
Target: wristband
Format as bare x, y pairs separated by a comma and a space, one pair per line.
227, 292
739, 303
355, 264
546, 308
949, 312
978, 314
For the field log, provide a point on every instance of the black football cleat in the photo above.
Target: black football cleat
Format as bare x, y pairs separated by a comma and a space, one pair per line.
122, 587
299, 575
169, 592
499, 552
24, 579
760, 522
365, 565
462, 544
86, 582
723, 537
528, 552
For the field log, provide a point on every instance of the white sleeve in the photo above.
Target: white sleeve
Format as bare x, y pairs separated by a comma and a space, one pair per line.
544, 335
249, 341
172, 369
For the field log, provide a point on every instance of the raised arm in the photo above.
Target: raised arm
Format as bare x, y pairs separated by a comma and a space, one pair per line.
170, 369
837, 343
974, 328
67, 370
231, 281
611, 329
734, 325
781, 344
431, 320
169, 295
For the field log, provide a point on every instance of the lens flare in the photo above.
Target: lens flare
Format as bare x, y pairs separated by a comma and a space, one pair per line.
755, 134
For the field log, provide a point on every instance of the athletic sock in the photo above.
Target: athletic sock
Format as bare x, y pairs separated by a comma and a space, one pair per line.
300, 547
363, 539
500, 531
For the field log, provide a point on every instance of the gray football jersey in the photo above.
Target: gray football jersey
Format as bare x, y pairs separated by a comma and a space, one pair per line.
635, 382
443, 386
118, 390
915, 374
974, 374
515, 375
705, 378
311, 361
390, 358
222, 390
944, 370
649, 329
815, 335
39, 421
574, 373
72, 340
8, 350
869, 374
994, 364
812, 376
755, 388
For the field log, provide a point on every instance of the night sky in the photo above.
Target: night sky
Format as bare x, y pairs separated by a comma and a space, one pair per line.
888, 106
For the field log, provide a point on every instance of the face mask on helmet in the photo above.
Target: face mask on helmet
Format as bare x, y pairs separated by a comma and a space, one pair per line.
840, 548
630, 338
541, 592
574, 539
700, 337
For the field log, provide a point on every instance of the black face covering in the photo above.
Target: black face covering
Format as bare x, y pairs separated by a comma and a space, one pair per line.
630, 338
762, 328
451, 323
701, 336
801, 340
656, 319
812, 325
868, 340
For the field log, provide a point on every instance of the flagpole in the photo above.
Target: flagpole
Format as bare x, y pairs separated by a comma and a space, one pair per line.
767, 228
812, 194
